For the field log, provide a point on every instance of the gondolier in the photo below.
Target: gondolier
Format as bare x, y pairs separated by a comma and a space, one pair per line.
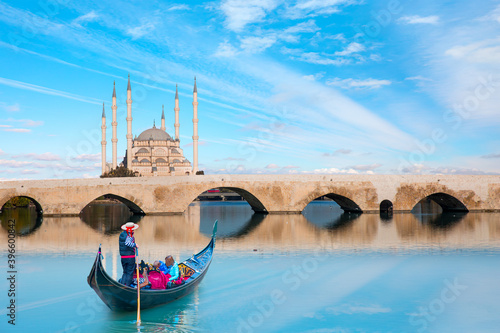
128, 251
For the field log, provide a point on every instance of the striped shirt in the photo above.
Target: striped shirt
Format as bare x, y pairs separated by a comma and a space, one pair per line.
130, 241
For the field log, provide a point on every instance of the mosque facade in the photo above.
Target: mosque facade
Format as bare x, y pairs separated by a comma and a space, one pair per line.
153, 152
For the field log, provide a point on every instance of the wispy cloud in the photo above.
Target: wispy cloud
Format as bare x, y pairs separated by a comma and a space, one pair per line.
240, 13
311, 8
415, 19
358, 84
272, 166
179, 7
39, 157
46, 91
10, 107
491, 156
140, 31
341, 151
17, 130
350, 49
353, 309
88, 157
89, 17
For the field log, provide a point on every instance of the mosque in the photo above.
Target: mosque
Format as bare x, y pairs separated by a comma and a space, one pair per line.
154, 152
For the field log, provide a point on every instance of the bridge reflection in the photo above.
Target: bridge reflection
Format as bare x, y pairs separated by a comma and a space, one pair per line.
241, 230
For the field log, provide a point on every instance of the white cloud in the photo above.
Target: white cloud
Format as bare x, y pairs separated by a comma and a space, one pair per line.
494, 15
366, 167
332, 171
17, 130
40, 157
29, 172
352, 309
89, 17
240, 13
314, 57
179, 7
358, 84
415, 19
350, 49
10, 107
341, 151
418, 78
272, 166
257, 44
225, 49
314, 77
491, 156
47, 91
88, 157
14, 163
487, 51
310, 8
144, 29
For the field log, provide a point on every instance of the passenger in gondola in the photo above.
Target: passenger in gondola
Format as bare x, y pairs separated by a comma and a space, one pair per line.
128, 251
144, 282
172, 268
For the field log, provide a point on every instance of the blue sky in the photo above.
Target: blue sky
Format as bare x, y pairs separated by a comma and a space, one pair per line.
305, 86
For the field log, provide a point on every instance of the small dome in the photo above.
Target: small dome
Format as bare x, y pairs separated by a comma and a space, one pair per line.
154, 134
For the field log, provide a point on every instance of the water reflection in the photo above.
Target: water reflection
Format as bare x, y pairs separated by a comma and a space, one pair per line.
107, 218
322, 225
27, 220
235, 220
445, 220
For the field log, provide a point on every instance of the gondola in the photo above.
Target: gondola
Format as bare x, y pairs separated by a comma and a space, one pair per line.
119, 297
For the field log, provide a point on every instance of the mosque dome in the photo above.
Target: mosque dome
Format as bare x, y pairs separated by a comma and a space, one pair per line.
155, 134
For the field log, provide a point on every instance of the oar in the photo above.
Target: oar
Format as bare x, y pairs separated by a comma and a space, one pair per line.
138, 291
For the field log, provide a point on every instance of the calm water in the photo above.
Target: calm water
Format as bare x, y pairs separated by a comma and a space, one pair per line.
323, 271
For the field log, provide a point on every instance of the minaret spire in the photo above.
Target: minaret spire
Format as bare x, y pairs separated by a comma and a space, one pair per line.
176, 109
114, 139
162, 118
129, 125
103, 141
195, 128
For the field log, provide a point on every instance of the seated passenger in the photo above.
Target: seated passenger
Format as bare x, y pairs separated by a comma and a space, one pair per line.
174, 277
143, 279
157, 279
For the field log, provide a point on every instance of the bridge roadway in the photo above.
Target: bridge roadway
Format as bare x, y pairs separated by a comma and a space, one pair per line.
265, 193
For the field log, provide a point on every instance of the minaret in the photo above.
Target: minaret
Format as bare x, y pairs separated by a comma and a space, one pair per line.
129, 125
195, 128
176, 109
103, 142
162, 118
114, 140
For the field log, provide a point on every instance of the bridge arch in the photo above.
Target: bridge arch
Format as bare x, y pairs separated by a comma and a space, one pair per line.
447, 202
129, 202
36, 202
345, 202
253, 201
386, 206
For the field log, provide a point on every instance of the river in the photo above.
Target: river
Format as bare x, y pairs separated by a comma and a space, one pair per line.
320, 271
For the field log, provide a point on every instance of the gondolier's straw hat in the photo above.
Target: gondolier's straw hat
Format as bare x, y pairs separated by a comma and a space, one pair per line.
130, 226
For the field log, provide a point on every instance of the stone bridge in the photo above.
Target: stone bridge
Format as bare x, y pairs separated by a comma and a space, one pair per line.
265, 193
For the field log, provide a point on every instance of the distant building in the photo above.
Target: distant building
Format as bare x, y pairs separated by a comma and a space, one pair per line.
154, 152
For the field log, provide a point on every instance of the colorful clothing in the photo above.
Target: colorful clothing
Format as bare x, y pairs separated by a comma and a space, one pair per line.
174, 271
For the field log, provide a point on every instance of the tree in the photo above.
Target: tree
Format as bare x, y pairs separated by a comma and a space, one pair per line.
200, 172
17, 202
121, 171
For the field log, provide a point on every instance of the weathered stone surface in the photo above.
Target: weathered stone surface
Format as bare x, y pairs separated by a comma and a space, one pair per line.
266, 193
